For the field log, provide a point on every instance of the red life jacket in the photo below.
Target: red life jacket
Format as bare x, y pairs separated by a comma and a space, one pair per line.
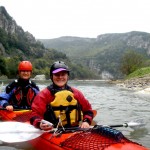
22, 93
23, 96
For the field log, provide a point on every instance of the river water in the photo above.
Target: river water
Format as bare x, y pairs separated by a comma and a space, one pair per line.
114, 105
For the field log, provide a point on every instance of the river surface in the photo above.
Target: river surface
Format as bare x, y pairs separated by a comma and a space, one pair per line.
114, 105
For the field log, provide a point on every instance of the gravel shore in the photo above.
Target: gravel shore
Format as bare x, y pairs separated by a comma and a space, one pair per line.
137, 84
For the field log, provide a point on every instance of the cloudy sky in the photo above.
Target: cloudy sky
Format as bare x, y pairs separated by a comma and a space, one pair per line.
47, 19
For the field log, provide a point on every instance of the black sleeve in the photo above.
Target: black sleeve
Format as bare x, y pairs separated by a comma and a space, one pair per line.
10, 86
35, 86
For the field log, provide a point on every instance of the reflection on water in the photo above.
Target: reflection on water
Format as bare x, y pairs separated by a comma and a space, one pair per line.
116, 106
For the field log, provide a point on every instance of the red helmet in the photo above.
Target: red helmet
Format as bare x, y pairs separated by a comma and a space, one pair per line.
25, 66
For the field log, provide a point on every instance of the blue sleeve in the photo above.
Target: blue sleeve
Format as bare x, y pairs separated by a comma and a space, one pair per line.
35, 90
4, 99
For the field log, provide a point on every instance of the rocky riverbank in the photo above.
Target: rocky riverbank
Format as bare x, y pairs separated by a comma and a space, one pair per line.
137, 84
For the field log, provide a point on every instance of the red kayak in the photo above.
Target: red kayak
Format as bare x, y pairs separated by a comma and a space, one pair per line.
95, 138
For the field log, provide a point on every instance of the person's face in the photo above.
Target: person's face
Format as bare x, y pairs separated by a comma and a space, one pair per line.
60, 78
25, 74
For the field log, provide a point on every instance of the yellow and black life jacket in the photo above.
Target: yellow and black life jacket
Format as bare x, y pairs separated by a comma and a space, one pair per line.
66, 108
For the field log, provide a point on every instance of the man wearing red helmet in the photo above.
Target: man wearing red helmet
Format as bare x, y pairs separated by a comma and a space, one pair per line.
20, 93
60, 104
25, 70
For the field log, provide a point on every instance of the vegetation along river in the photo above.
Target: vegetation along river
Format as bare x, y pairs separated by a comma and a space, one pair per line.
114, 105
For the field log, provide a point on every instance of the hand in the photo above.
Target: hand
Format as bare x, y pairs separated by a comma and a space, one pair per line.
9, 108
85, 125
46, 125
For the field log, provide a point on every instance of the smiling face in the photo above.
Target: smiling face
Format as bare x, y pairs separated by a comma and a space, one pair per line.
25, 74
60, 78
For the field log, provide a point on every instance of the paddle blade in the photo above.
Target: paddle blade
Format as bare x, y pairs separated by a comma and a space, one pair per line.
12, 132
136, 124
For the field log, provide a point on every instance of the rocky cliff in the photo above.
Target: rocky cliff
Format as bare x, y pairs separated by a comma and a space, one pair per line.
10, 26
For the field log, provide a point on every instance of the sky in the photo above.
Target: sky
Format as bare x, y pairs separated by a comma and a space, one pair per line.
48, 19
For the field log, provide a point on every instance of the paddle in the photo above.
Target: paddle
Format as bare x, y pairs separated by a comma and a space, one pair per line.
12, 132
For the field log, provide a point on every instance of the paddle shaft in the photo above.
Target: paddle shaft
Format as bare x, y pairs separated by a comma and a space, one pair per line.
119, 125
85, 129
16, 109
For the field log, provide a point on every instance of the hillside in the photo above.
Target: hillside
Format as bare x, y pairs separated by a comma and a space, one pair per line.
104, 53
17, 45
87, 47
88, 58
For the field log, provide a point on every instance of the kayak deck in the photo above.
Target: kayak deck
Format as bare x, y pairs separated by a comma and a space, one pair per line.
83, 141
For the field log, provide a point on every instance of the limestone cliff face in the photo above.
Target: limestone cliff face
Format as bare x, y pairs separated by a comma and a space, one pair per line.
137, 40
6, 22
15, 41
10, 26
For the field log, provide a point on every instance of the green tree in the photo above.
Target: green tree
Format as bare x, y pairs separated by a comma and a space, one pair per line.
131, 61
12, 66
